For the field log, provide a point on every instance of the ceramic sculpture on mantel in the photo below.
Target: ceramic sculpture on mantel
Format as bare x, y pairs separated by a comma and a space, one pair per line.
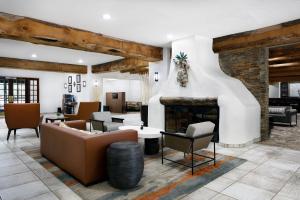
183, 66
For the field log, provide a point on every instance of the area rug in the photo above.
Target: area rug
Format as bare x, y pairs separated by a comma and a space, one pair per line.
161, 182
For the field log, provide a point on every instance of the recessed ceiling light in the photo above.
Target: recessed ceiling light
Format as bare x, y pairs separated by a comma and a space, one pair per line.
80, 61
106, 16
170, 36
34, 55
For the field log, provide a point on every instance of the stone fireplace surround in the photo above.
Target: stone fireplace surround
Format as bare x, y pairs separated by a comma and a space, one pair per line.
239, 122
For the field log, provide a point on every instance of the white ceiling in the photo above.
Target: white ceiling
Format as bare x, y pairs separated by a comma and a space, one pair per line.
24, 50
150, 21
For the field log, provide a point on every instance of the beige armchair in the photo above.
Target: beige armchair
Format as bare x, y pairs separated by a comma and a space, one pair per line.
197, 137
103, 121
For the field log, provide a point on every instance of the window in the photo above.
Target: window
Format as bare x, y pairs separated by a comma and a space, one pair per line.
3, 93
18, 90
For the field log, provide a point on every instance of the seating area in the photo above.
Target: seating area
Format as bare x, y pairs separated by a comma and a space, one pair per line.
149, 100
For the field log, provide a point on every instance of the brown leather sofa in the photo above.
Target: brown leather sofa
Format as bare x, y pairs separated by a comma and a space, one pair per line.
80, 154
22, 115
85, 111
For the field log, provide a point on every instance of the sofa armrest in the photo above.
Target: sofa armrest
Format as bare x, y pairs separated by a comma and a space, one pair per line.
78, 124
116, 119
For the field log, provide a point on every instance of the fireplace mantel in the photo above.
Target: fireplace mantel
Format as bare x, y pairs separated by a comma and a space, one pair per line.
189, 101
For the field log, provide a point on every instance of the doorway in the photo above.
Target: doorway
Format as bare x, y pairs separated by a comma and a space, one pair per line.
18, 90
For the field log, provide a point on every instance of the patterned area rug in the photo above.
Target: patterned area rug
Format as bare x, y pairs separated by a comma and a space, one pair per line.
161, 182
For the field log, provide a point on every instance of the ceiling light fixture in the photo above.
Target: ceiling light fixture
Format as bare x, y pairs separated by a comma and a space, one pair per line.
80, 61
170, 36
34, 55
106, 16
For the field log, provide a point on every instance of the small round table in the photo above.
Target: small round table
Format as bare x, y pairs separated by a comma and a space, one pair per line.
150, 135
53, 118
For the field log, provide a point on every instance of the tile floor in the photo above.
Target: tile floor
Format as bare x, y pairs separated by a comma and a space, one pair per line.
270, 173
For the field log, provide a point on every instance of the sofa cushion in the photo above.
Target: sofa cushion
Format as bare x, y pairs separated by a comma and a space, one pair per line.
277, 110
198, 129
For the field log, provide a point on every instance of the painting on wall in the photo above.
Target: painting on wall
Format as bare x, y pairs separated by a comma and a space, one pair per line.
78, 78
78, 88
69, 79
70, 88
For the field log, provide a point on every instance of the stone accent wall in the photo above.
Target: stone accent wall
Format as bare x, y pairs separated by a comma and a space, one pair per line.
251, 67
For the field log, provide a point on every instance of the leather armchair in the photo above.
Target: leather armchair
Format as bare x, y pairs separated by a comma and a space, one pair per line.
197, 137
22, 115
85, 111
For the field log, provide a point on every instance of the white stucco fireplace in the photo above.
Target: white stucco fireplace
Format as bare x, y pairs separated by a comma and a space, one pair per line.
239, 110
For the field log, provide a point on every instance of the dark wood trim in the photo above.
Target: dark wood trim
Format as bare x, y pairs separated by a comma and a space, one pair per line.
40, 32
122, 65
16, 63
280, 34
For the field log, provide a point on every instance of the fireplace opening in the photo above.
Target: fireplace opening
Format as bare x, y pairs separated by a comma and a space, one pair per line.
180, 112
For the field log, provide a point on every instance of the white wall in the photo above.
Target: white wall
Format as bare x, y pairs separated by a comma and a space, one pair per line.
162, 67
239, 110
274, 90
51, 86
293, 89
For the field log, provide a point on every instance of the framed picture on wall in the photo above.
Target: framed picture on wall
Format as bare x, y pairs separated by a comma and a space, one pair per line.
69, 79
70, 88
78, 78
83, 83
78, 88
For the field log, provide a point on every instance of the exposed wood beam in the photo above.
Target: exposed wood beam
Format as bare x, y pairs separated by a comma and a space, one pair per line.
284, 59
284, 79
119, 65
41, 65
280, 34
45, 33
291, 50
285, 64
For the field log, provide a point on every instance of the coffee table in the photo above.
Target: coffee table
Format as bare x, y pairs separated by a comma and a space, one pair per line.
150, 135
53, 118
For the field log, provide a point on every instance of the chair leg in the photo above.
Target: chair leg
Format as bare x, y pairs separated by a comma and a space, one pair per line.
214, 153
37, 132
193, 158
162, 150
8, 134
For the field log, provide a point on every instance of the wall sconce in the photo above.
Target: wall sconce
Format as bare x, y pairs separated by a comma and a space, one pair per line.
156, 76
65, 86
96, 83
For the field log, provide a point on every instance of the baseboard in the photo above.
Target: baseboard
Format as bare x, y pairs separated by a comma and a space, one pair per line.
240, 145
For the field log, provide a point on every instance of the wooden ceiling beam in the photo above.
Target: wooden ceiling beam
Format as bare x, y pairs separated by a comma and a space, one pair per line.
45, 33
119, 65
15, 63
285, 59
280, 34
284, 79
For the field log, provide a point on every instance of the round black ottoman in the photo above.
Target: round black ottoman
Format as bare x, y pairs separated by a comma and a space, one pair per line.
125, 164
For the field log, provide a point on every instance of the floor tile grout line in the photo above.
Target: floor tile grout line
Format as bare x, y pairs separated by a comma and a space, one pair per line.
284, 185
37, 177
